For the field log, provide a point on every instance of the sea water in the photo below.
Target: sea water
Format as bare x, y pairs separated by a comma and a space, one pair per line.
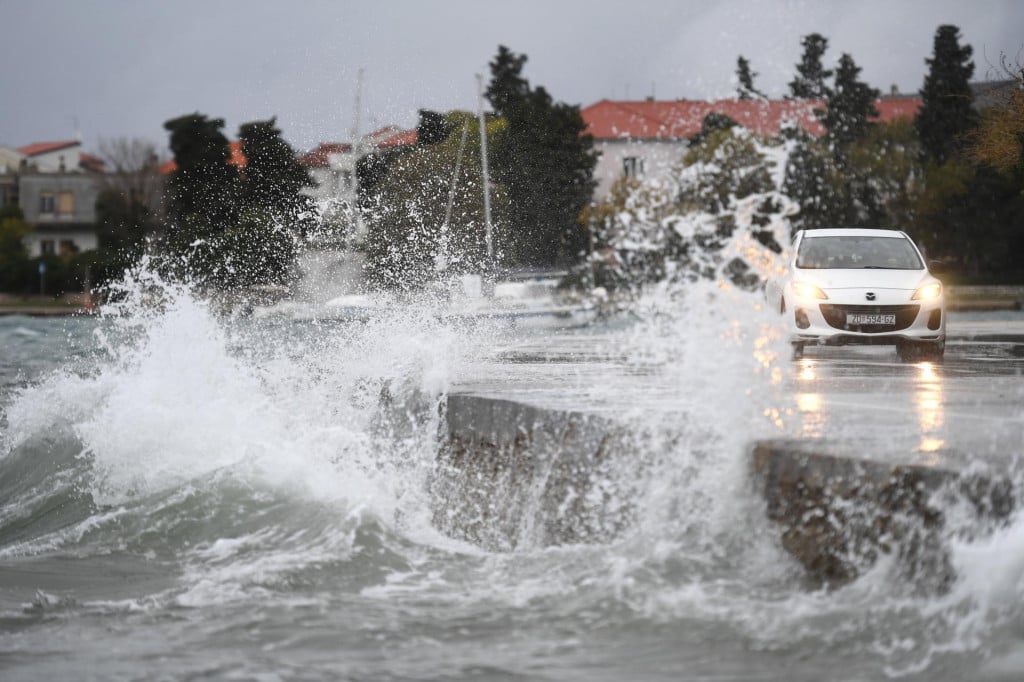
185, 495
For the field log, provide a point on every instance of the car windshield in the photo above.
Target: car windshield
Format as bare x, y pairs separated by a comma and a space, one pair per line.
853, 252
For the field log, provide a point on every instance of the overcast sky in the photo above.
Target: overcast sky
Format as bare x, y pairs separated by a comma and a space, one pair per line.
120, 68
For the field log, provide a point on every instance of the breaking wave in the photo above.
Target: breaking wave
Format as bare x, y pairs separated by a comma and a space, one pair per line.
291, 465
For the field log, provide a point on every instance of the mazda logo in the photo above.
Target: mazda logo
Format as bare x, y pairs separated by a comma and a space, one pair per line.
870, 295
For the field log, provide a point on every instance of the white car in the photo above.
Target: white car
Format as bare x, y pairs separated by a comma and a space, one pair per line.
860, 286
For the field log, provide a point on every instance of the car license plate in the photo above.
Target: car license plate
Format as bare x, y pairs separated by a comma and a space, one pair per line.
870, 318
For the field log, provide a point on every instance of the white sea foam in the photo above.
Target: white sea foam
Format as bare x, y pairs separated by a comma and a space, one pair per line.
343, 417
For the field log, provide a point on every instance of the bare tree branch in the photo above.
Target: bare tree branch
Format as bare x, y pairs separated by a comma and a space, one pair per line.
133, 169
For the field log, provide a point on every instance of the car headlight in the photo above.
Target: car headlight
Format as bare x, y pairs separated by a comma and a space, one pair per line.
808, 290
928, 292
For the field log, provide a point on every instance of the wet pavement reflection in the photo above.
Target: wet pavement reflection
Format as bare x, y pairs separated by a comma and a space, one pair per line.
968, 408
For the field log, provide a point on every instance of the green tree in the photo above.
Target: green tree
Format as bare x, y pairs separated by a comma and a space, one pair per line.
998, 141
231, 229
711, 123
15, 266
946, 114
970, 218
729, 167
121, 221
128, 206
204, 185
433, 127
507, 89
815, 183
810, 81
273, 178
850, 105
258, 250
745, 77
887, 159
546, 163
413, 239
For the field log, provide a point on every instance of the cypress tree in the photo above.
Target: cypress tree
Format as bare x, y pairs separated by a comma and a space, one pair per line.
204, 186
507, 89
746, 89
273, 178
546, 164
811, 76
808, 182
850, 104
946, 114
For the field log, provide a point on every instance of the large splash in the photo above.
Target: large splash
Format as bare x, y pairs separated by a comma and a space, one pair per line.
271, 456
178, 400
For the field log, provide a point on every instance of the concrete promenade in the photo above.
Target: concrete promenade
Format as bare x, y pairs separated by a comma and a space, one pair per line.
871, 445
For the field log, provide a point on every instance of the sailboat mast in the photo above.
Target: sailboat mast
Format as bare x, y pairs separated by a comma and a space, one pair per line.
483, 165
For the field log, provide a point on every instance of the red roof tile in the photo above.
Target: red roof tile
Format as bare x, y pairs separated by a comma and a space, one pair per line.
37, 148
92, 163
318, 158
402, 139
892, 108
390, 136
683, 118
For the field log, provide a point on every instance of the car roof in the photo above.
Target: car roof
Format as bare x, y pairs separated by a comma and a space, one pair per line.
853, 232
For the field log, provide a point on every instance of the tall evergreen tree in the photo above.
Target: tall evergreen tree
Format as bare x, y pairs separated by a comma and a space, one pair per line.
946, 114
204, 186
811, 75
850, 104
809, 181
273, 178
507, 89
546, 164
746, 89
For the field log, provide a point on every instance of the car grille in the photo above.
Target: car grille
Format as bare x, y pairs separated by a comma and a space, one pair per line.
835, 315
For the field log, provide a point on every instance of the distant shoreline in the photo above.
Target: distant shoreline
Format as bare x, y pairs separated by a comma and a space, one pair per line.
958, 299
42, 310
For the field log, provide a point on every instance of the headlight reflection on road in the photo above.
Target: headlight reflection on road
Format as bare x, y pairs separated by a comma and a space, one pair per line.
928, 402
807, 372
812, 416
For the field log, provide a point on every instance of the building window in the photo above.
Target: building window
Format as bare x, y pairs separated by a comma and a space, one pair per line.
56, 203
65, 203
68, 248
633, 167
47, 247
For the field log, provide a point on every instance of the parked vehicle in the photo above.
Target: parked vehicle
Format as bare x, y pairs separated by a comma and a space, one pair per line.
861, 286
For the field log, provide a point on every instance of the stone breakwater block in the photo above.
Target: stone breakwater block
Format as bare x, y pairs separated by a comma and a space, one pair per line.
840, 510
511, 475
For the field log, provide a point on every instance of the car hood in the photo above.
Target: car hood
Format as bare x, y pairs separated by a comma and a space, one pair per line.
861, 278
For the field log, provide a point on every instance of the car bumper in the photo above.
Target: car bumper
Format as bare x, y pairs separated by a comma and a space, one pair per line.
835, 322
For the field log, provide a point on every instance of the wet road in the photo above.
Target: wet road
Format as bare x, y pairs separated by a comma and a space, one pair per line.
967, 409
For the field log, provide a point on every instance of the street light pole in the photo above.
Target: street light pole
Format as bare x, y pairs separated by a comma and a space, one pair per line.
483, 165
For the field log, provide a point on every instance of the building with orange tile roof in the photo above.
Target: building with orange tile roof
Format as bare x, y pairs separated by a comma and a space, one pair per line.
62, 156
645, 138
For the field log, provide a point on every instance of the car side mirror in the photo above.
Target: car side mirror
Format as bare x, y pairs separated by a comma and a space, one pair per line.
936, 267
